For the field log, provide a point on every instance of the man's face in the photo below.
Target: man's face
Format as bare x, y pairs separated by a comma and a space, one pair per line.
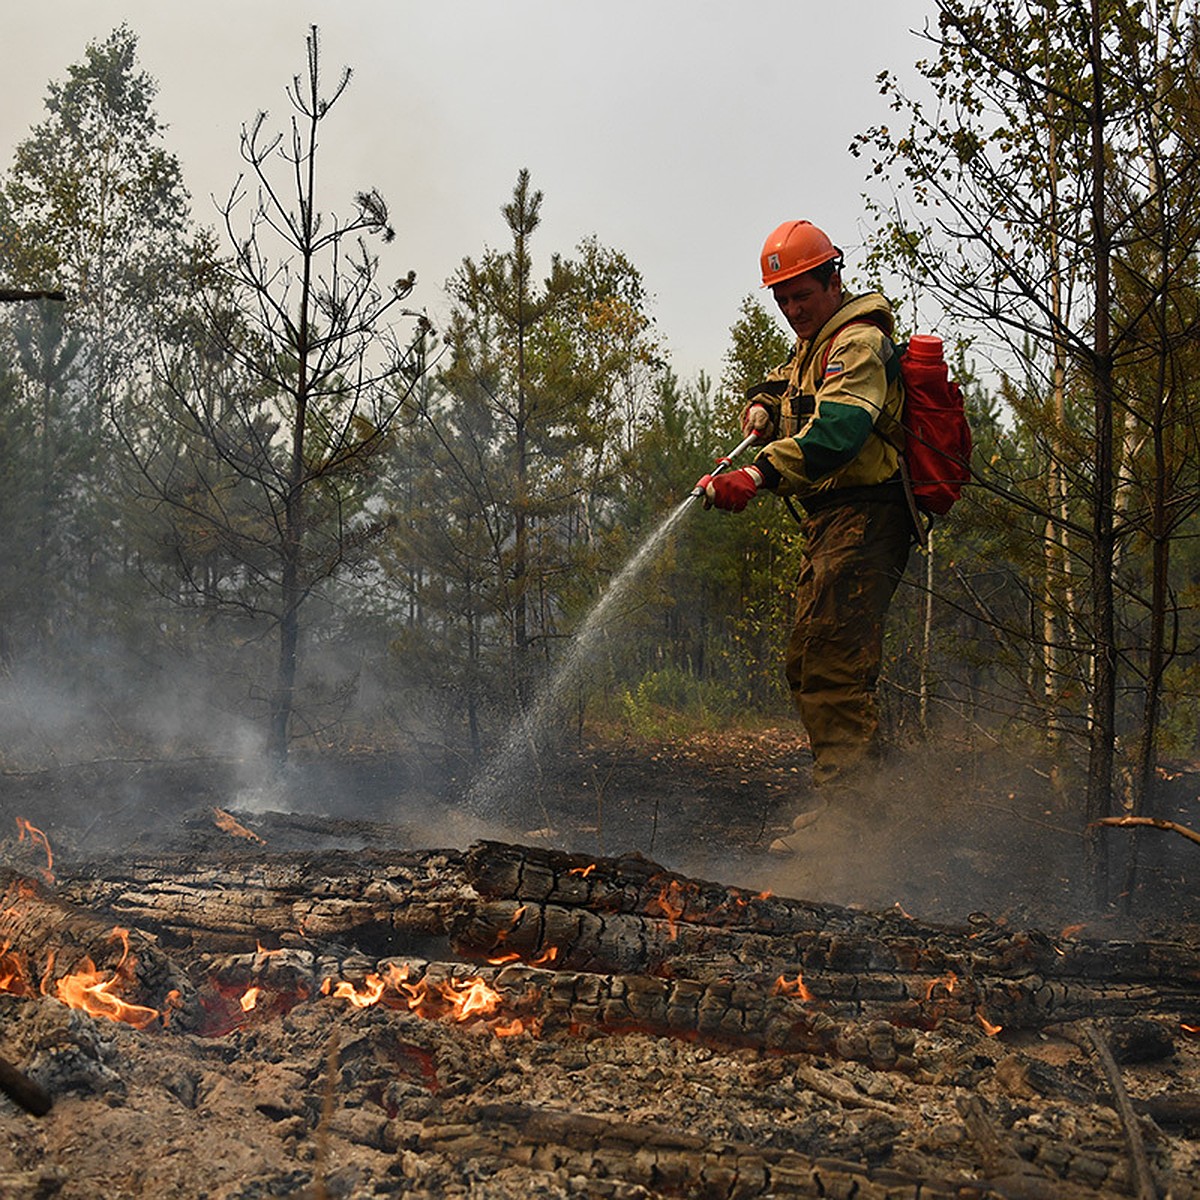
806, 304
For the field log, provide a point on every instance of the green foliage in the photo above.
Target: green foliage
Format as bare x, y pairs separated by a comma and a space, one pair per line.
1043, 200
663, 702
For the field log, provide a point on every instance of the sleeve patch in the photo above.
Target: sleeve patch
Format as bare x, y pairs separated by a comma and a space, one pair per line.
834, 367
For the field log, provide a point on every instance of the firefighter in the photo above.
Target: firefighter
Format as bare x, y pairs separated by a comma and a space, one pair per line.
830, 418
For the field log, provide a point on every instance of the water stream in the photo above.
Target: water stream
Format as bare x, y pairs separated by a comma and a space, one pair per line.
517, 756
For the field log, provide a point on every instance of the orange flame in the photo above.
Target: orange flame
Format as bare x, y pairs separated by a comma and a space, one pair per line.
454, 999
91, 991
986, 1025
584, 872
14, 975
250, 998
37, 837
789, 987
949, 981
229, 824
546, 956
512, 1028
371, 992
173, 1003
670, 902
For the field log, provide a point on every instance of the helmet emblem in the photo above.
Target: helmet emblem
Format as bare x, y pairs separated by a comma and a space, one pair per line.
773, 262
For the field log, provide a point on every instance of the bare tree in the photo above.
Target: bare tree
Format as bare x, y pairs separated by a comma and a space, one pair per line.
1050, 208
275, 427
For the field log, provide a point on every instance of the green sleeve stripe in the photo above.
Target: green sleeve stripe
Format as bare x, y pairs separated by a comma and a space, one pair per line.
834, 439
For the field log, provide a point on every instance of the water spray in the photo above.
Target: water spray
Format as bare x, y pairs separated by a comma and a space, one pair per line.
724, 462
518, 754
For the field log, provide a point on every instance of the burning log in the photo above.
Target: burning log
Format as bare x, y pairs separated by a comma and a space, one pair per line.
761, 925
578, 940
51, 948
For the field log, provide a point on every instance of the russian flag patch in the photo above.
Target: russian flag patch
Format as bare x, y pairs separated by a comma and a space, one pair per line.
836, 367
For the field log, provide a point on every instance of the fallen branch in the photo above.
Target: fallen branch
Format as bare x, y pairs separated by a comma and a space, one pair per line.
12, 295
1143, 1176
18, 1087
817, 1082
1153, 823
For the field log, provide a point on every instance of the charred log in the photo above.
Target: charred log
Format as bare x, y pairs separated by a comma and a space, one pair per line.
58, 941
837, 981
673, 1163
22, 1090
819, 936
294, 899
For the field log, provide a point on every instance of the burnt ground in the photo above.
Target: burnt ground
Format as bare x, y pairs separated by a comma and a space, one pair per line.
943, 831
334, 1101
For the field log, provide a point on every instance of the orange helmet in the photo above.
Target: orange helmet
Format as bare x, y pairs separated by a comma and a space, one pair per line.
795, 247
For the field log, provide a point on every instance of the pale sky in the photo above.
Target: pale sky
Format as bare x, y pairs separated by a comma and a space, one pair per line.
680, 132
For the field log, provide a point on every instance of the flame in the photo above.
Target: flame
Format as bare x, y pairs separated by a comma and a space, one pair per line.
789, 987
250, 998
90, 990
546, 956
173, 1003
1190, 1030
370, 994
229, 824
986, 1025
949, 981
37, 837
584, 872
510, 1028
14, 975
454, 999
669, 902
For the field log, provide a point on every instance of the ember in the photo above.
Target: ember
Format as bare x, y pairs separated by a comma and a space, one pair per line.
594, 1020
36, 836
792, 987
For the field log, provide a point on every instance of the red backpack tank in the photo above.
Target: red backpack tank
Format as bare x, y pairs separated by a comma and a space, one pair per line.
937, 435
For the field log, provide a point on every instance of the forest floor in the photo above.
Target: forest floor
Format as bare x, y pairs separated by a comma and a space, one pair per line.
944, 830
944, 833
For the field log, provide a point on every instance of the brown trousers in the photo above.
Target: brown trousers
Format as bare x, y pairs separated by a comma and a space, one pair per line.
853, 556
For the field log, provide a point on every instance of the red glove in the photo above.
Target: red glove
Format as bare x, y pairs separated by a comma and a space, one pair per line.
733, 490
757, 418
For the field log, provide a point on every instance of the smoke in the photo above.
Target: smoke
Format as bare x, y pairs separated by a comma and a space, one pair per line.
942, 831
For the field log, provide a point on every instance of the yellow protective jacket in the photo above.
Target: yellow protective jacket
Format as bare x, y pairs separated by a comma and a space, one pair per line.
832, 404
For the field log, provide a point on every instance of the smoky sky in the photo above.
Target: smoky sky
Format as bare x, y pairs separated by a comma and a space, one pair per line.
679, 132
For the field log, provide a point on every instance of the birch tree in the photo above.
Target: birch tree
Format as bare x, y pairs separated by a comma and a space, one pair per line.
1025, 192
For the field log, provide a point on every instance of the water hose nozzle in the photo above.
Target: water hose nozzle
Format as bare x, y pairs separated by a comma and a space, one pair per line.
724, 462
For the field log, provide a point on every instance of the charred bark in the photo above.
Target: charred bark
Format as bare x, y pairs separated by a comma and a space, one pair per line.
47, 940
668, 1162
232, 903
669, 909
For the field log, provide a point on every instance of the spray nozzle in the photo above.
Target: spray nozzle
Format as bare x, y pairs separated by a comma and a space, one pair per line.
725, 461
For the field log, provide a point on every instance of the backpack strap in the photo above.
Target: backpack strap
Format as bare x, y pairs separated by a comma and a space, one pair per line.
892, 369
